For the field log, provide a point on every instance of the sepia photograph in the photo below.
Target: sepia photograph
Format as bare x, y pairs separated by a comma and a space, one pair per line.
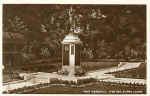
74, 49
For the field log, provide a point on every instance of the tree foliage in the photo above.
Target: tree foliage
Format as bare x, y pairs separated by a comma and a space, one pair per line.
107, 31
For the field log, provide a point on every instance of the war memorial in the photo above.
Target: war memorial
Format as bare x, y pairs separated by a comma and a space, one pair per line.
58, 50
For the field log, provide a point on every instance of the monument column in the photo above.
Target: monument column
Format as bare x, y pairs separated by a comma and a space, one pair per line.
70, 55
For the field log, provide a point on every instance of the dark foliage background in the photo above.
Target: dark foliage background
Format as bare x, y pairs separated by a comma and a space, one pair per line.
107, 31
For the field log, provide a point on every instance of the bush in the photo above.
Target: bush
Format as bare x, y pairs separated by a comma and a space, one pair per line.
84, 81
54, 80
79, 71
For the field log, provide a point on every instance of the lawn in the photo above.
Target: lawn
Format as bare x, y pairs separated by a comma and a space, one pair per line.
91, 66
53, 67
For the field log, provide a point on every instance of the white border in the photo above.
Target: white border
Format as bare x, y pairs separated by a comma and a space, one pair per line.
74, 1
0, 48
148, 47
126, 2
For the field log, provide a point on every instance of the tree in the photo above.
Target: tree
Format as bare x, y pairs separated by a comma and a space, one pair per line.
16, 24
121, 28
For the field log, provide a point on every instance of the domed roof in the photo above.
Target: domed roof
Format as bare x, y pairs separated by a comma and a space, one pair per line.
71, 38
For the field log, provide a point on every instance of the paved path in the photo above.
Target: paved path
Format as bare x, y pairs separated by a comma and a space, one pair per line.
42, 77
100, 74
122, 67
19, 84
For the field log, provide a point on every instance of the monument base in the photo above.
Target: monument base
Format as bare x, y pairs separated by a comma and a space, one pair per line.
71, 71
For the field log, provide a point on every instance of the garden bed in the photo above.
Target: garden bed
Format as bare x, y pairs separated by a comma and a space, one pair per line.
88, 88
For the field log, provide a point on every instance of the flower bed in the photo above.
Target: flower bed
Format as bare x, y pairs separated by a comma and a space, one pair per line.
89, 83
